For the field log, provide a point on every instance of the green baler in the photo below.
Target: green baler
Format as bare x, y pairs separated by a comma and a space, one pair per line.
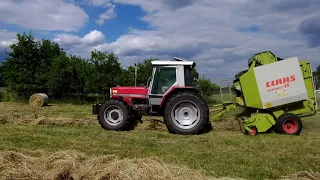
274, 93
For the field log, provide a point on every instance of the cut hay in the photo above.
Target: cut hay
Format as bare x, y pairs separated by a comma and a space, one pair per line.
156, 124
227, 124
304, 175
42, 120
73, 165
39, 100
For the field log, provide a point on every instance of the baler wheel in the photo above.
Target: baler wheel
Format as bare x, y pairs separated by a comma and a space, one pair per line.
289, 124
254, 131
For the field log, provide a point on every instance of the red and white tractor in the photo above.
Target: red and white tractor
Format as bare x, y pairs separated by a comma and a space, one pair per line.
169, 93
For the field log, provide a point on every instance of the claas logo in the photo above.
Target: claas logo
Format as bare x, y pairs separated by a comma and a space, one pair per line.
280, 81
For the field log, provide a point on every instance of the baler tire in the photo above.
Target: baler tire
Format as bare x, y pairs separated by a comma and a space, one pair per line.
194, 98
254, 131
125, 124
292, 118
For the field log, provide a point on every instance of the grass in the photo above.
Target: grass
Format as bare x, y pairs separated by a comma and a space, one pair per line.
219, 153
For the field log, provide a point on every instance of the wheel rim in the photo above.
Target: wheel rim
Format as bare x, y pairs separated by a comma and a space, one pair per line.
113, 115
254, 131
185, 114
290, 125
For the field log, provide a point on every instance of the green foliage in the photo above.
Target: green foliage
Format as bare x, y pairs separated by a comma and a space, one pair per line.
316, 76
10, 96
144, 71
61, 77
34, 66
207, 87
1, 75
106, 70
25, 69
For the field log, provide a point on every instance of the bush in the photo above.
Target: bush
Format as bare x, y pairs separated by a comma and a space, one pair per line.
10, 96
211, 100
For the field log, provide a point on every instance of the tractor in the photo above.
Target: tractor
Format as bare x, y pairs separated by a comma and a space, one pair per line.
169, 93
274, 93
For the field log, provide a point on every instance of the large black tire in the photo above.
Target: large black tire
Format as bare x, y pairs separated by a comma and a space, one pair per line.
188, 98
289, 124
115, 115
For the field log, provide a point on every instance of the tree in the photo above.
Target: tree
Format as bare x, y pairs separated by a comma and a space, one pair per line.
316, 77
107, 71
61, 77
26, 68
20, 66
48, 51
144, 71
1, 75
207, 87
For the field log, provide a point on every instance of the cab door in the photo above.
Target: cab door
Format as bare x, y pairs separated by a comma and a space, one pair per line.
164, 78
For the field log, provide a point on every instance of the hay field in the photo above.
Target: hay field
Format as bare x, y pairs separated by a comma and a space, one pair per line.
64, 140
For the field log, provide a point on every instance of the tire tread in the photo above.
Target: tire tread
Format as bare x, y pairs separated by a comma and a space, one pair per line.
204, 121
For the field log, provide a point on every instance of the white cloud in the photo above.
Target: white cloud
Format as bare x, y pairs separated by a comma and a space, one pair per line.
107, 4
215, 34
80, 45
210, 32
43, 14
6, 39
109, 14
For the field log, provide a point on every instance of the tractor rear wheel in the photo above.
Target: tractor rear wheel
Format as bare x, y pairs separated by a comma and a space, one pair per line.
186, 113
115, 115
289, 124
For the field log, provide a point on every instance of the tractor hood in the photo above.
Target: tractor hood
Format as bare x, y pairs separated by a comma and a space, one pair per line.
128, 91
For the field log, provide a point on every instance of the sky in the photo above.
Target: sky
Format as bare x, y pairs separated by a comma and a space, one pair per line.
219, 35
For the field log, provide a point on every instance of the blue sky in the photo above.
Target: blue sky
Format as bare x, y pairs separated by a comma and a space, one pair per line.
219, 35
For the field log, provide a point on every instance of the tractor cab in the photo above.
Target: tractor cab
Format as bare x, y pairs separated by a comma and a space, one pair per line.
168, 76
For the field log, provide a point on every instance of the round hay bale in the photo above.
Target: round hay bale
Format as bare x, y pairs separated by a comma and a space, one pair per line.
39, 99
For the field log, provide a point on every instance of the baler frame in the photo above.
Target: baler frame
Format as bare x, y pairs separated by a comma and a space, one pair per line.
262, 120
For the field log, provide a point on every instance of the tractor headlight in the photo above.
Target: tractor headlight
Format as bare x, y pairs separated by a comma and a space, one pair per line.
110, 92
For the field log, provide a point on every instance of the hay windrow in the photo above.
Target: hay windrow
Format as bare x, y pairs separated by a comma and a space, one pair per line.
304, 175
33, 119
226, 124
71, 165
74, 165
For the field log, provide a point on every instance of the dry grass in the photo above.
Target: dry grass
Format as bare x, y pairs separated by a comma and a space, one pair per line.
71, 165
74, 165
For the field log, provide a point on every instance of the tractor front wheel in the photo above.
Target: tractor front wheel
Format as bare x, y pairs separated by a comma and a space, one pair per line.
186, 113
115, 115
289, 124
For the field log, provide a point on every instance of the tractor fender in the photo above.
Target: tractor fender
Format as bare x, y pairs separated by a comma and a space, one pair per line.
127, 101
174, 90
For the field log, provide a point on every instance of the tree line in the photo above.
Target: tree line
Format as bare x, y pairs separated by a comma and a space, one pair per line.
33, 66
